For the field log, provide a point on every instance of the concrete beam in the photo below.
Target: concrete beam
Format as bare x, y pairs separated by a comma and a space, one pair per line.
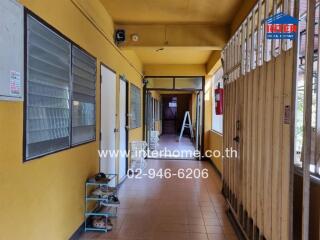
176, 35
213, 62
175, 70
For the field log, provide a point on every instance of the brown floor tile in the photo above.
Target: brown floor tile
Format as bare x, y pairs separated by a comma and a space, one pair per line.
170, 236
212, 222
198, 236
167, 227
214, 236
214, 229
196, 221
231, 237
196, 228
170, 209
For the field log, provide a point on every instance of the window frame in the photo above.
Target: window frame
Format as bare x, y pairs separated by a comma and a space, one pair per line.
71, 98
130, 103
157, 109
27, 13
314, 164
174, 83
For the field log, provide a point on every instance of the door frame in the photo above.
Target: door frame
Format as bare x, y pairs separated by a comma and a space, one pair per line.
127, 118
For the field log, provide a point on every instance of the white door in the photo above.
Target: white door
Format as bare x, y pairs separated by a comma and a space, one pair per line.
108, 120
123, 130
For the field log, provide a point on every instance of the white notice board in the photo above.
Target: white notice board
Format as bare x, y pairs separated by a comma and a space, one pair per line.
11, 50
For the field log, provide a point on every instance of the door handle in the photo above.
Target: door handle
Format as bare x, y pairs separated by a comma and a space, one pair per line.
236, 139
116, 130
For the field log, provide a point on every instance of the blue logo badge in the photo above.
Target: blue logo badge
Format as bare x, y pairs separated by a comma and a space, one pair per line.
281, 26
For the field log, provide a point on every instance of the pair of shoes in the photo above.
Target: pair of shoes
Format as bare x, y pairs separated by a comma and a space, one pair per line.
109, 225
102, 223
102, 192
99, 178
112, 199
99, 193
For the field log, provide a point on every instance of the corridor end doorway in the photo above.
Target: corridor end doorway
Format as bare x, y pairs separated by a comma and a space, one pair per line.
164, 112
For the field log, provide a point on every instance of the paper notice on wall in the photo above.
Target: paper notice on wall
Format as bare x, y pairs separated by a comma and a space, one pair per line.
15, 83
287, 115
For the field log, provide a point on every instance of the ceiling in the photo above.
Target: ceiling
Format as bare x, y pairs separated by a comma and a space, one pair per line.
182, 12
172, 11
172, 55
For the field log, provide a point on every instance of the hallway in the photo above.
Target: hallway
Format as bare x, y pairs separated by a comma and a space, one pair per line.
170, 148
171, 209
94, 96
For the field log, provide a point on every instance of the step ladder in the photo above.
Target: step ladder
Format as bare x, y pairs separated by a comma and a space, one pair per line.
186, 125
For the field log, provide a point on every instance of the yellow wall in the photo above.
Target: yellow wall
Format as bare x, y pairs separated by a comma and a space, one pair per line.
212, 62
44, 198
214, 141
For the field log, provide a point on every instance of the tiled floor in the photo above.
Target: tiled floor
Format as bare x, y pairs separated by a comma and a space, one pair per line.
171, 209
185, 148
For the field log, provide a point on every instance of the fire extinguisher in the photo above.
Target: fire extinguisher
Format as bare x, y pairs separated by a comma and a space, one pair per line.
218, 94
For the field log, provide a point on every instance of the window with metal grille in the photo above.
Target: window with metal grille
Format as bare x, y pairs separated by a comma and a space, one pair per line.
135, 106
300, 91
56, 74
83, 97
157, 110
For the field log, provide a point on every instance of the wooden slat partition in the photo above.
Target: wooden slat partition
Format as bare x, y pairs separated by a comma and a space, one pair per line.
240, 147
244, 157
318, 166
249, 149
257, 182
268, 136
286, 168
254, 136
232, 162
260, 112
260, 148
277, 145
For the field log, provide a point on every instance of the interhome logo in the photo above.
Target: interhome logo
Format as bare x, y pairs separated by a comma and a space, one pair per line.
281, 26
